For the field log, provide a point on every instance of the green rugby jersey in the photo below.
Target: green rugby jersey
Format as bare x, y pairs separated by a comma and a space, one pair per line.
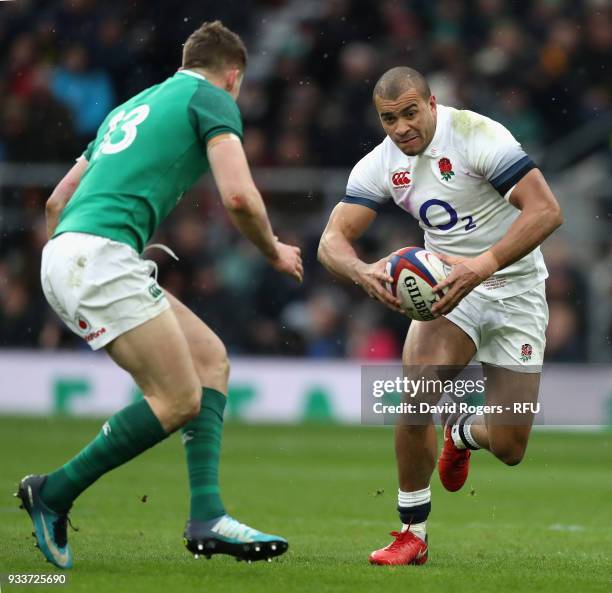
147, 152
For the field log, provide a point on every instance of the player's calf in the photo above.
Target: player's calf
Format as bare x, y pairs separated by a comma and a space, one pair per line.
508, 443
506, 434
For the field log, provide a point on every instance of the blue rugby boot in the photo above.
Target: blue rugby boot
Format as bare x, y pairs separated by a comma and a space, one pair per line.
225, 535
49, 526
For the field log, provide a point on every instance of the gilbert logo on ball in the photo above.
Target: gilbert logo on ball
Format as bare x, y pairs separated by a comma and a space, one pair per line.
415, 271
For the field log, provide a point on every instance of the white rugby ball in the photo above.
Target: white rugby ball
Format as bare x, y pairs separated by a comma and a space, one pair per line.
415, 271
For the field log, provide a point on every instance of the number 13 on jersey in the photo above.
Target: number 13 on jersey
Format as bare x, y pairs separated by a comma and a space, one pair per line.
122, 130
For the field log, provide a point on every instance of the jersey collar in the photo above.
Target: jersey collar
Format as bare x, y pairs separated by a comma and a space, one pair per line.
434, 149
191, 73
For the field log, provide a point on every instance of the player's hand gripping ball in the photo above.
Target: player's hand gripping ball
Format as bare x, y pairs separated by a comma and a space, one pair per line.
415, 271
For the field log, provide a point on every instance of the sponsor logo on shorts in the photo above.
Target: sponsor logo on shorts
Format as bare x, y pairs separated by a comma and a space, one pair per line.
155, 291
526, 352
82, 324
93, 335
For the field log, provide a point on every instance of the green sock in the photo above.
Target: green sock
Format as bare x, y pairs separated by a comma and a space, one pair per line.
202, 440
124, 436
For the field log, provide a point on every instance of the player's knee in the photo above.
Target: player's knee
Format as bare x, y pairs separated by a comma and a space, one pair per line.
223, 365
212, 365
191, 407
186, 405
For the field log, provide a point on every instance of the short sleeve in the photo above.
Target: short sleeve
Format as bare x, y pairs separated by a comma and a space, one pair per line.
88, 151
212, 112
366, 182
496, 155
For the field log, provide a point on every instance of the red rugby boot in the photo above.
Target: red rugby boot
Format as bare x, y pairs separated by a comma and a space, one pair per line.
454, 464
406, 548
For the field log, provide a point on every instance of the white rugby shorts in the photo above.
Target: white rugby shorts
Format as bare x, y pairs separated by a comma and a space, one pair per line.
508, 333
100, 288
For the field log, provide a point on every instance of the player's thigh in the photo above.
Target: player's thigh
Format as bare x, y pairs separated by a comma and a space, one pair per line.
514, 395
433, 350
207, 351
157, 356
437, 342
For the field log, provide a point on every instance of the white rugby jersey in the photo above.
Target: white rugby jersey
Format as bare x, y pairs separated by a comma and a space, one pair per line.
458, 190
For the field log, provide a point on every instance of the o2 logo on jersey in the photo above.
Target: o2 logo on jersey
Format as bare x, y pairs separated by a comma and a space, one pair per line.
453, 216
122, 130
400, 179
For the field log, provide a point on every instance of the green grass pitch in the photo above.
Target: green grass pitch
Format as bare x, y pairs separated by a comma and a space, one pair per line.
544, 525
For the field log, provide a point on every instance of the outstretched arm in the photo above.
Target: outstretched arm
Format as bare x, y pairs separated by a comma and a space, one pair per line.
245, 206
62, 194
540, 216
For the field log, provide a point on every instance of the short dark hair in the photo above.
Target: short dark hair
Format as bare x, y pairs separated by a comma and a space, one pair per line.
214, 47
399, 79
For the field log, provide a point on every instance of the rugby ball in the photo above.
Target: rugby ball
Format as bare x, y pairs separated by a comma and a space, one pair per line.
415, 271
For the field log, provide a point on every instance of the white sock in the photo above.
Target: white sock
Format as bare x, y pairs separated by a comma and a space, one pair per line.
419, 529
413, 499
467, 420
467, 432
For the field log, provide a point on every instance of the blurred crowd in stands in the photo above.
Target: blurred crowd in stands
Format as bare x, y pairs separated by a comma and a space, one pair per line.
541, 67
